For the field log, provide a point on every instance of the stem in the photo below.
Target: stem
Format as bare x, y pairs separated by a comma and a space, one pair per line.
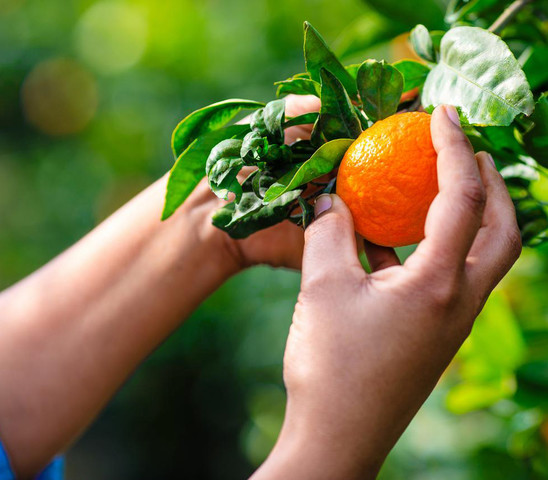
508, 15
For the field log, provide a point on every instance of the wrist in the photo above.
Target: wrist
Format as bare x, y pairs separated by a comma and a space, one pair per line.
191, 228
309, 448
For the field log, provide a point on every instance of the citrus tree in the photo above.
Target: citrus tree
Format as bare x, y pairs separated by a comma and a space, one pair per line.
486, 62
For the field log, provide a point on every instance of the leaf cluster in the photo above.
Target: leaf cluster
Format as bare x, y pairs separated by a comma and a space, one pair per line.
266, 180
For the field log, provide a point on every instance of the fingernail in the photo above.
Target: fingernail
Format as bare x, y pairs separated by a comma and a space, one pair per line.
452, 114
489, 157
323, 203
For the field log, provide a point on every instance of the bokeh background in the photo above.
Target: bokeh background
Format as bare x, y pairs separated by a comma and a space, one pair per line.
89, 94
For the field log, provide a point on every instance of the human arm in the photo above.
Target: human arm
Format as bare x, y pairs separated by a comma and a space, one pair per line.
365, 351
73, 331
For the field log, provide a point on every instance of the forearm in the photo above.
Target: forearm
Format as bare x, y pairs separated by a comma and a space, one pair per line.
312, 449
74, 330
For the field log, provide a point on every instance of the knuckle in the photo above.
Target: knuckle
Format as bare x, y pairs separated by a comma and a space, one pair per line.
513, 242
445, 293
325, 227
473, 195
312, 288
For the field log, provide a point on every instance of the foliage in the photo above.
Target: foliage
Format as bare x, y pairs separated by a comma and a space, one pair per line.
466, 66
209, 403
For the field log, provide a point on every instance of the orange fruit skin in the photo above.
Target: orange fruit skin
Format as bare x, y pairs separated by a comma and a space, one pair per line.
388, 179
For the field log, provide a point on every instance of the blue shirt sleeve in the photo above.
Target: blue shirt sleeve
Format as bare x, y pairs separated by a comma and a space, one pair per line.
54, 471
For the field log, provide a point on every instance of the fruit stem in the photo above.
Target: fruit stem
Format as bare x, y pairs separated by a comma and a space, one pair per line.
508, 15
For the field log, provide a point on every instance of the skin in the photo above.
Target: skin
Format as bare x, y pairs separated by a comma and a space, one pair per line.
74, 330
364, 351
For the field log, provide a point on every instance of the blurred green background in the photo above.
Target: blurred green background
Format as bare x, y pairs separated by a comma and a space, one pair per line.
89, 94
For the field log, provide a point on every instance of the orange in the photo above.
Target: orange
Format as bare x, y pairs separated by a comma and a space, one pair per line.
388, 179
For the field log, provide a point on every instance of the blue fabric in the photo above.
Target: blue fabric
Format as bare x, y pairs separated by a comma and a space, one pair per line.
5, 468
54, 471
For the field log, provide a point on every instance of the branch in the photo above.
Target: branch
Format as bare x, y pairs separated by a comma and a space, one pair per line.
508, 15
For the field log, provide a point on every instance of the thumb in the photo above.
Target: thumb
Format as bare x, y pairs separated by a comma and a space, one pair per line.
330, 243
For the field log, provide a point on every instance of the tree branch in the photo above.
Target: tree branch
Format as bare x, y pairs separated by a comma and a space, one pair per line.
508, 15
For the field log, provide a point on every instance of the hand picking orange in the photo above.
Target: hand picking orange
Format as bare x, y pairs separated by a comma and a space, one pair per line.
388, 179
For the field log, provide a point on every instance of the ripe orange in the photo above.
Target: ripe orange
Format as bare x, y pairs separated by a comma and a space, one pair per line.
388, 179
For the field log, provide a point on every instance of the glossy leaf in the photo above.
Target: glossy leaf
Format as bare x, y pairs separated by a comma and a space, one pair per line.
478, 74
319, 56
189, 167
298, 85
307, 213
414, 73
338, 119
222, 168
207, 119
304, 119
326, 158
254, 147
422, 43
246, 206
380, 86
253, 219
274, 116
262, 181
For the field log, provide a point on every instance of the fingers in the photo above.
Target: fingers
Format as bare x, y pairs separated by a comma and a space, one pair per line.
456, 213
296, 105
498, 243
330, 243
379, 257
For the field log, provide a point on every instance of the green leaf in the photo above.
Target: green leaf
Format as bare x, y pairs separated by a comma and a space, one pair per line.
298, 85
304, 119
353, 69
338, 119
268, 121
244, 220
454, 14
414, 73
317, 55
262, 181
189, 167
380, 86
536, 139
307, 214
274, 116
324, 160
254, 147
207, 119
222, 168
478, 73
422, 43
245, 207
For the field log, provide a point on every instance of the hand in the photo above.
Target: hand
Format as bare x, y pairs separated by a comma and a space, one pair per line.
86, 319
282, 244
365, 351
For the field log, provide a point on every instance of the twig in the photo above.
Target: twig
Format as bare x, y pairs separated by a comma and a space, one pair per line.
508, 15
